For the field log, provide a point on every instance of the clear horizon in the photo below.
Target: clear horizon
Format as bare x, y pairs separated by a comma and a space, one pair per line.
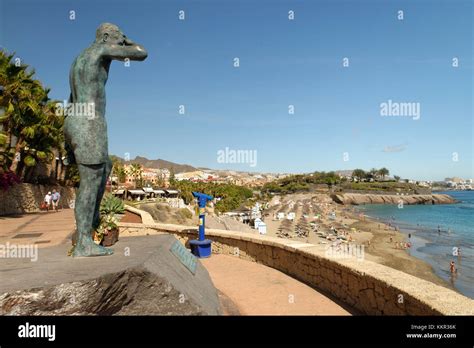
344, 117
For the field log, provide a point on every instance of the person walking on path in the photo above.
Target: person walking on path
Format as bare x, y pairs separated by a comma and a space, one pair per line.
47, 201
55, 199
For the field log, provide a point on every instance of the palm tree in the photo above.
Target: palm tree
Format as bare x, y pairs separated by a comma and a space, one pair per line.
373, 173
135, 170
118, 169
161, 180
172, 179
3, 134
121, 174
45, 138
383, 172
30, 128
13, 90
359, 174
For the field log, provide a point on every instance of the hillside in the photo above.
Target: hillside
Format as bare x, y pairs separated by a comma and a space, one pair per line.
159, 164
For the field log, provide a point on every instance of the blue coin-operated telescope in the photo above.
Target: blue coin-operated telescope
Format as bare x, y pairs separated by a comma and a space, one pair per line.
202, 246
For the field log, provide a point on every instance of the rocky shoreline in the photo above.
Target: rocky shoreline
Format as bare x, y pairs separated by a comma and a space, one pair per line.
365, 198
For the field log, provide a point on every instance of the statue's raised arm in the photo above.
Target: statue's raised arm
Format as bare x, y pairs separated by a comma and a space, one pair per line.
125, 49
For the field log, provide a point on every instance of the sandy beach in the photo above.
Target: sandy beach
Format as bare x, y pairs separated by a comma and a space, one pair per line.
382, 243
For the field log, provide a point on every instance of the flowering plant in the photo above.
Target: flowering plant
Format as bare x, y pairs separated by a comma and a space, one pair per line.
107, 223
8, 179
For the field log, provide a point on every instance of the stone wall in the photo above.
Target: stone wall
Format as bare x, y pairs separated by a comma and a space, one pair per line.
366, 286
26, 198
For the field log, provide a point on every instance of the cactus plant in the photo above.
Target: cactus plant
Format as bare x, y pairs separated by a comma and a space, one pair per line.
111, 205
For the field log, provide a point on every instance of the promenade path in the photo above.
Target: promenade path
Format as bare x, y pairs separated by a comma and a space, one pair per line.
252, 288
44, 229
256, 289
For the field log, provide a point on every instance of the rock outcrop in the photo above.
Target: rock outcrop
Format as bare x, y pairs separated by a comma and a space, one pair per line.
145, 276
135, 291
362, 198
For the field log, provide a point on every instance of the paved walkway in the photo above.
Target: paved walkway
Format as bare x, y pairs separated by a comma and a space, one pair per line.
45, 228
256, 289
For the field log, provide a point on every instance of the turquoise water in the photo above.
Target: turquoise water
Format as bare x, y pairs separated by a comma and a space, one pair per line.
436, 230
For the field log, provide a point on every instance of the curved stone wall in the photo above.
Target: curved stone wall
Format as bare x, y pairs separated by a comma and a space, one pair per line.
367, 286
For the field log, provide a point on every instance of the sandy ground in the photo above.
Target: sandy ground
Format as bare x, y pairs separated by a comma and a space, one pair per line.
163, 213
227, 223
378, 238
256, 289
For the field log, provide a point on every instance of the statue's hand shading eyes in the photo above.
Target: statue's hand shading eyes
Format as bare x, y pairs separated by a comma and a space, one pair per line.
123, 49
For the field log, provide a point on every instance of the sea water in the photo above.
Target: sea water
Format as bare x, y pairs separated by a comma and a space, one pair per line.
437, 233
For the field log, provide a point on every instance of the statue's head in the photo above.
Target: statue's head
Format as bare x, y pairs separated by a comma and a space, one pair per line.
109, 33
117, 45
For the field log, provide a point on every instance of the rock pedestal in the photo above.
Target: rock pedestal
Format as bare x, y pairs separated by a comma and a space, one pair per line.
149, 275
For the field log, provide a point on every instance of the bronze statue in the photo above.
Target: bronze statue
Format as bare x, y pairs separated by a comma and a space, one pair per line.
86, 134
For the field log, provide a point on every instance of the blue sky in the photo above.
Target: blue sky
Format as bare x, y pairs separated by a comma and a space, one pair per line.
282, 62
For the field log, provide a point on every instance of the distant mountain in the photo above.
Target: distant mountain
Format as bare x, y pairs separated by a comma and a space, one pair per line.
159, 164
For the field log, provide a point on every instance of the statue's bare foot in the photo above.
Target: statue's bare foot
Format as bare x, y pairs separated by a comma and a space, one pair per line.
90, 249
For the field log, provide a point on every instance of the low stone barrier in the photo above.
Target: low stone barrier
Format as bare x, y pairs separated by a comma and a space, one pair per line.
146, 217
367, 286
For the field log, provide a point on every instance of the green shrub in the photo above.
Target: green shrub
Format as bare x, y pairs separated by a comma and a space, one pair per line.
111, 205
